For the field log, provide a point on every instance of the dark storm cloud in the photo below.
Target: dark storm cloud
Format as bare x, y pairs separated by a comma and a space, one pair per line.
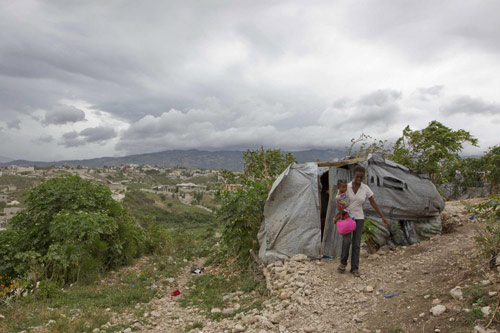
470, 106
63, 114
89, 135
70, 139
268, 71
98, 134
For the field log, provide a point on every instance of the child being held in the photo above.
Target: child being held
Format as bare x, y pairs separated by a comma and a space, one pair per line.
342, 201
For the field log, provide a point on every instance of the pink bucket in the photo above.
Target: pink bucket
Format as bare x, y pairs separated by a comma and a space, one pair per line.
346, 226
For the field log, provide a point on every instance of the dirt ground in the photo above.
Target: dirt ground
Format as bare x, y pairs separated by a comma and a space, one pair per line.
311, 296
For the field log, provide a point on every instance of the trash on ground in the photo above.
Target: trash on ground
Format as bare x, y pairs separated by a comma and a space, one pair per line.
391, 295
176, 292
197, 270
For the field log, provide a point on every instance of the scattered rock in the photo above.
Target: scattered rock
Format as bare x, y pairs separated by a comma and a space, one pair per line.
486, 282
492, 293
457, 294
216, 310
127, 330
478, 329
299, 257
238, 328
438, 310
436, 301
369, 289
96, 330
228, 311
2, 316
276, 318
486, 310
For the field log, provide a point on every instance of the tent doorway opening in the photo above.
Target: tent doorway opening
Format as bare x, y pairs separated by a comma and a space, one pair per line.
324, 198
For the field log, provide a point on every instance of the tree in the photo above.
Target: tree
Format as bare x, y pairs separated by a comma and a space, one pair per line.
463, 174
492, 164
432, 149
241, 211
368, 145
72, 225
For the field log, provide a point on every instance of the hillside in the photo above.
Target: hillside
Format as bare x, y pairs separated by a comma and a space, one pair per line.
231, 160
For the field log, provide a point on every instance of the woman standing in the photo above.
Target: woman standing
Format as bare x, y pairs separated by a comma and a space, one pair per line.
358, 193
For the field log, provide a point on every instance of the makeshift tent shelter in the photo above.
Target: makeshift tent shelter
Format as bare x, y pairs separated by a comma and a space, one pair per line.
294, 215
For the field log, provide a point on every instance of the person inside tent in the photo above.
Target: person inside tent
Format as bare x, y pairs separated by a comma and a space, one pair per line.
358, 193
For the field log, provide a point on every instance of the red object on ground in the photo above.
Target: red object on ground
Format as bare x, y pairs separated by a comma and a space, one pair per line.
176, 292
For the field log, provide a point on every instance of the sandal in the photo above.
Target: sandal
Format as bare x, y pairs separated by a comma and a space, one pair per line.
356, 273
341, 268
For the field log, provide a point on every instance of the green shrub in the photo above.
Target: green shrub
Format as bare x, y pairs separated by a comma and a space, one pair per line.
489, 234
48, 290
70, 227
241, 212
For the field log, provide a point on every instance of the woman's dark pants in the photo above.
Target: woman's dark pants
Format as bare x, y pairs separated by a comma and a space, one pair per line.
356, 242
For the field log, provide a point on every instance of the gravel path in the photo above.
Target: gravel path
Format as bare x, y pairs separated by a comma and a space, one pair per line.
311, 296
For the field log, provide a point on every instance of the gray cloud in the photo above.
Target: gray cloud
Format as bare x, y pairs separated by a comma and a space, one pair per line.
89, 135
70, 139
187, 75
63, 114
44, 139
424, 30
378, 108
470, 106
14, 123
429, 93
98, 134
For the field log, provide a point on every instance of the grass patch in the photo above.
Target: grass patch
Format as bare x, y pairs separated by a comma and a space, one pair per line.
80, 308
473, 315
477, 295
194, 326
207, 292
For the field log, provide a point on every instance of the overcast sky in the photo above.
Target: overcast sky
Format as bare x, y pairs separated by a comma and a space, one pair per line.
82, 79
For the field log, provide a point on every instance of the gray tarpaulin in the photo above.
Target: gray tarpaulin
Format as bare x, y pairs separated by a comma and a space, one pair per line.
292, 221
410, 201
291, 215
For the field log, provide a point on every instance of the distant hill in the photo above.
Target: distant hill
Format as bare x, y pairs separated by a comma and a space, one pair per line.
231, 160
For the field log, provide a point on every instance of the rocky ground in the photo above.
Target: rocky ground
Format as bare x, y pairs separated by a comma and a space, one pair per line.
405, 289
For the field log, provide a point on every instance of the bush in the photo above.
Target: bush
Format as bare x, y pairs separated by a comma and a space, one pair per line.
489, 235
242, 211
70, 227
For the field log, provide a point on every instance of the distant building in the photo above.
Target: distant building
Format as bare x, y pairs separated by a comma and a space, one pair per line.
191, 187
10, 212
23, 169
232, 187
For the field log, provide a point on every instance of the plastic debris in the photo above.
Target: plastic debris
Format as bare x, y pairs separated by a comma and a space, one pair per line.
176, 292
391, 295
197, 270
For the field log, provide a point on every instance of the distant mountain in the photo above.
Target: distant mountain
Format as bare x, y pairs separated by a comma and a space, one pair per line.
4, 159
231, 160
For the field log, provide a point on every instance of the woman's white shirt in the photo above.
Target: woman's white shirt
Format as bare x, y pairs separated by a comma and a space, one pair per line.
357, 200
